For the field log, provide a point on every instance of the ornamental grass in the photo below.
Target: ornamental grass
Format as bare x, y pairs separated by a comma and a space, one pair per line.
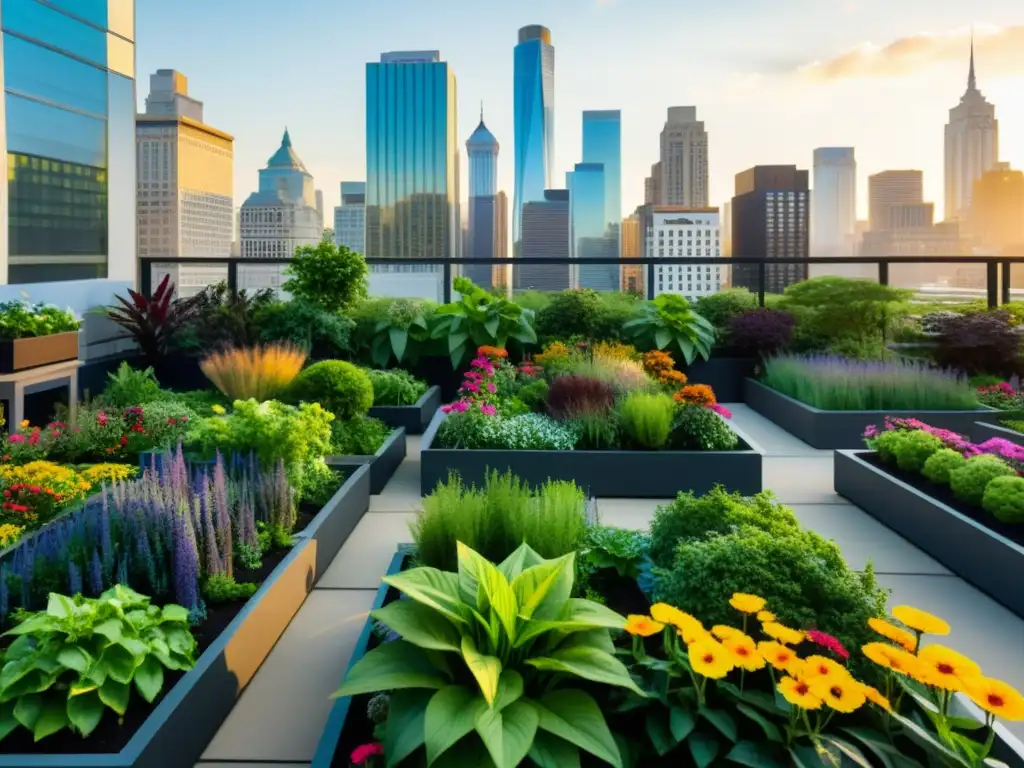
834, 383
260, 373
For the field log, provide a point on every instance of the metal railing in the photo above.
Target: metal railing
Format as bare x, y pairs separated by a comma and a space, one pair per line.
997, 268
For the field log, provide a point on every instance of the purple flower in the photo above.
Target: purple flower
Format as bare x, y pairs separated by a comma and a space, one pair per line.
74, 579
870, 431
95, 574
186, 562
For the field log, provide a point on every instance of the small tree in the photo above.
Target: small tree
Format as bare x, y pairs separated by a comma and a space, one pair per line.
328, 275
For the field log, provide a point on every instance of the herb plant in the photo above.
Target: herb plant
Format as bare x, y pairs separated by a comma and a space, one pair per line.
129, 386
670, 323
325, 335
646, 420
22, 320
340, 387
395, 387
359, 436
401, 333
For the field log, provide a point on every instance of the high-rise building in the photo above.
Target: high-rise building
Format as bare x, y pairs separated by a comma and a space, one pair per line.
502, 273
412, 171
652, 186
725, 228
684, 159
185, 184
545, 236
890, 188
588, 237
770, 221
534, 84
319, 197
68, 132
482, 151
350, 217
834, 213
972, 146
602, 143
997, 211
279, 217
632, 274
677, 231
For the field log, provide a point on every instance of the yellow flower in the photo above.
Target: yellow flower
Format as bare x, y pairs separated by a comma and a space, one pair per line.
644, 626
898, 635
24, 424
745, 603
996, 697
920, 621
721, 631
945, 668
694, 632
781, 657
798, 693
843, 694
823, 667
782, 633
10, 533
876, 698
218, 409
711, 659
668, 614
764, 616
744, 652
892, 658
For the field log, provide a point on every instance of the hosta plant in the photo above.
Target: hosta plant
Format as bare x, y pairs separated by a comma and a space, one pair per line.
670, 323
79, 657
400, 333
488, 664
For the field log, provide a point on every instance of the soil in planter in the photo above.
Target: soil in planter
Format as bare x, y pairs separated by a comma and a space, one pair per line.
1014, 533
112, 736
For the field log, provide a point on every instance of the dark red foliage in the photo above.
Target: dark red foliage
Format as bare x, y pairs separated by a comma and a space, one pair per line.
153, 321
762, 330
978, 343
573, 394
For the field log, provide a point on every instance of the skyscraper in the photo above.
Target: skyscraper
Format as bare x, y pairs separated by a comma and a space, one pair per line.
588, 237
997, 211
319, 197
890, 188
632, 274
602, 143
482, 151
350, 217
534, 84
652, 186
834, 214
68, 124
545, 236
684, 159
412, 170
972, 146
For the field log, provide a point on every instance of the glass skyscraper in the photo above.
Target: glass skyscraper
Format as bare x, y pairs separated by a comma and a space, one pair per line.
534, 84
481, 241
69, 137
602, 143
588, 235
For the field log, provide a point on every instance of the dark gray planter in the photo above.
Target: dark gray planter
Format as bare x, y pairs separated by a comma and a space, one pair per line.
980, 432
382, 464
844, 429
724, 375
177, 732
967, 548
602, 474
414, 418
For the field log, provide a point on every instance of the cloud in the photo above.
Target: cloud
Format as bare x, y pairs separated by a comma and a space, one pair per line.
997, 52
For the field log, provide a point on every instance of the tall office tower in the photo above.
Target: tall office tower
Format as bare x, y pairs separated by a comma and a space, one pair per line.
68, 131
997, 211
236, 237
602, 143
725, 228
678, 231
588, 238
652, 186
834, 213
278, 218
972, 146
501, 274
185, 184
890, 188
770, 221
319, 197
350, 217
534, 85
412, 171
684, 159
632, 274
482, 151
545, 236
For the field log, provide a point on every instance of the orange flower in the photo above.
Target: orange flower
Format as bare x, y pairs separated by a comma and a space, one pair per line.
744, 652
895, 659
643, 626
696, 394
492, 353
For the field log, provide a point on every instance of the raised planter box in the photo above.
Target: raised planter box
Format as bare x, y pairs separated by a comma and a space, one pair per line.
980, 432
22, 354
382, 464
844, 429
413, 418
969, 549
602, 474
725, 375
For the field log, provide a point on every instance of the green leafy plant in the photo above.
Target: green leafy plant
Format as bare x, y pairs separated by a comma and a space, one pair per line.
220, 588
401, 333
968, 483
646, 420
669, 322
596, 430
487, 662
81, 656
1004, 499
395, 387
328, 275
720, 308
570, 313
129, 386
224, 318
535, 394
325, 335
342, 388
698, 428
479, 319
361, 435
22, 320
610, 549
912, 452
526, 432
940, 464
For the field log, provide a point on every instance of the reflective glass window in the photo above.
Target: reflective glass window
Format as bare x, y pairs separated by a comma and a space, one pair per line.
90, 10
50, 26
121, 17
39, 129
120, 55
37, 71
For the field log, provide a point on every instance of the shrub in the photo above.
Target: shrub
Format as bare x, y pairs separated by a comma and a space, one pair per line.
646, 420
395, 387
607, 548
261, 373
34, 492
526, 432
982, 342
622, 375
342, 388
153, 322
573, 394
359, 436
324, 335
596, 430
888, 443
535, 394
1004, 395
969, 481
1015, 424
668, 322
224, 318
477, 318
720, 308
660, 365
941, 464
107, 474
570, 313
697, 428
328, 275
761, 331
696, 394
1004, 498
914, 450
128, 386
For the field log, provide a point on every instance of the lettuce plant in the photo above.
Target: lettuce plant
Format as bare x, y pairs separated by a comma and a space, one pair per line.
487, 662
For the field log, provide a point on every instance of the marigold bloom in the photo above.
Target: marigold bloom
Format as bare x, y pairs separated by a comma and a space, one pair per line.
782, 633
920, 621
711, 659
843, 694
798, 693
893, 658
745, 603
877, 698
781, 657
24, 424
764, 616
721, 631
643, 626
997, 697
696, 394
823, 667
744, 652
945, 668
898, 635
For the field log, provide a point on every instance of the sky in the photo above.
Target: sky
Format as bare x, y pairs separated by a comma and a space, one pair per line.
771, 80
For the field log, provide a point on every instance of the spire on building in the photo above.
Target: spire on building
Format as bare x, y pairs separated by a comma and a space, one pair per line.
972, 84
285, 156
286, 140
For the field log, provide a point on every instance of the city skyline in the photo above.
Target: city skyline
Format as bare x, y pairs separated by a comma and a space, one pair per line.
847, 98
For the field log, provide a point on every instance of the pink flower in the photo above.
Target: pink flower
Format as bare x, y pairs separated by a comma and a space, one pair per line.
471, 387
870, 431
827, 641
721, 410
34, 437
16, 438
361, 754
487, 409
491, 388
101, 419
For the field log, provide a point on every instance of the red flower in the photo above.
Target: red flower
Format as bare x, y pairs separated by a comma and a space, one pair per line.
35, 489
827, 641
363, 753
7, 494
172, 420
124, 439
7, 457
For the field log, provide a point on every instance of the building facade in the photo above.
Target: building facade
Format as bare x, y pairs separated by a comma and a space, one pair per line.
412, 171
588, 234
684, 160
997, 212
534, 104
834, 214
482, 235
602, 143
770, 220
633, 275
545, 236
652, 186
676, 231
890, 188
350, 217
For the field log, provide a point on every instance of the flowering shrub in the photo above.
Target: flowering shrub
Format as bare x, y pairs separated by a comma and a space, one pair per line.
479, 389
614, 350
553, 352
35, 492
660, 365
9, 534
696, 394
1004, 396
107, 474
569, 396
526, 432
492, 353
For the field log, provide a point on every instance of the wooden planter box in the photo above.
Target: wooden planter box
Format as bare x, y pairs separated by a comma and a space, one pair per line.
413, 418
177, 732
845, 429
22, 354
602, 474
382, 464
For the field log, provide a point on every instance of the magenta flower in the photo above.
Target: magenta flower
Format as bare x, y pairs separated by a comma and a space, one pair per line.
491, 388
870, 431
361, 754
487, 409
16, 438
471, 387
826, 640
721, 410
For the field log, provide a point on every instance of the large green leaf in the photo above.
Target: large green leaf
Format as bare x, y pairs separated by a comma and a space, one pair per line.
574, 716
681, 722
59, 606
479, 580
399, 338
119, 662
420, 625
662, 338
85, 712
486, 669
588, 663
578, 615
53, 718
75, 658
115, 695
432, 587
549, 751
110, 629
888, 754
724, 723
848, 751
450, 715
687, 348
380, 351
491, 326
149, 678
508, 734
658, 731
470, 751
27, 709
591, 638
510, 689
771, 731
457, 340
404, 731
524, 557
703, 748
543, 590
391, 666
755, 755
8, 722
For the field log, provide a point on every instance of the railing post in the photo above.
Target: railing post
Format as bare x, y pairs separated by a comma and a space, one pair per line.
762, 278
1004, 286
233, 277
146, 278
446, 290
649, 282
883, 272
992, 283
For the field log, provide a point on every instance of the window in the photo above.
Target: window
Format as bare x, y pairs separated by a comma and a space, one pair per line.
37, 71
50, 26
47, 131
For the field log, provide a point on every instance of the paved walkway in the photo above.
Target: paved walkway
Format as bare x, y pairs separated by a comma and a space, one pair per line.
278, 720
